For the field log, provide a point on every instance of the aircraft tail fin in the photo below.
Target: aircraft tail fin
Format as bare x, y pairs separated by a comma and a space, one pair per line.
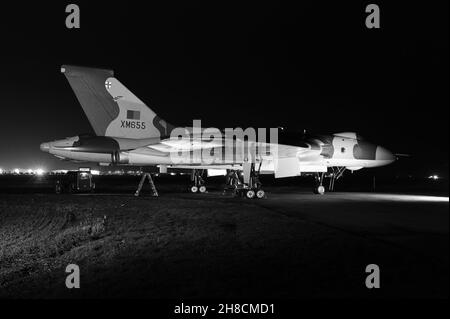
112, 109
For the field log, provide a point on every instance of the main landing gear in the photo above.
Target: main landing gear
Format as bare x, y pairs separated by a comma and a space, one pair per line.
198, 183
251, 187
334, 175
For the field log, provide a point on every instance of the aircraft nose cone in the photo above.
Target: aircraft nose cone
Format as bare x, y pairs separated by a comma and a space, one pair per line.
383, 154
45, 147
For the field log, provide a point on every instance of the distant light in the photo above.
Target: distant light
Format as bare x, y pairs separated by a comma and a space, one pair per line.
59, 171
1, 171
95, 172
16, 171
30, 171
39, 172
172, 174
435, 177
401, 198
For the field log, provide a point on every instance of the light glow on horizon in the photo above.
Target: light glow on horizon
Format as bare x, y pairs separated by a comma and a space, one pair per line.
403, 197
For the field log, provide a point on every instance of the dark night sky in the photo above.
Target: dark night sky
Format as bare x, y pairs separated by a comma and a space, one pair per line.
312, 66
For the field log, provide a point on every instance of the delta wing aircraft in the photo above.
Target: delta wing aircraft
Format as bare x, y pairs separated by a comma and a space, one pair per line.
128, 132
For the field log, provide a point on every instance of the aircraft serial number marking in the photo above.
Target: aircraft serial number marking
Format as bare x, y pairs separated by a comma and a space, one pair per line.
132, 124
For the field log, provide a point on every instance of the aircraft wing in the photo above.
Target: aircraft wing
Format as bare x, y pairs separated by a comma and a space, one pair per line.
192, 144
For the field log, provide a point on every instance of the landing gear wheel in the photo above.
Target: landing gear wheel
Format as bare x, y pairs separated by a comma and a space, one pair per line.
260, 194
320, 190
194, 189
202, 189
250, 194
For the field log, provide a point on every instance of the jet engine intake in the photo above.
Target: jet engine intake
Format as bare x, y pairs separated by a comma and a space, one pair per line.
119, 158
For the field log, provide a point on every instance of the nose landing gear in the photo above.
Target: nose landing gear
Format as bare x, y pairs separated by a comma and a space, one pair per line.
334, 175
319, 188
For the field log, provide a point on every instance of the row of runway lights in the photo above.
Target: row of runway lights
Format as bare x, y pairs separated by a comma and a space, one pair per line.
18, 171
40, 172
37, 172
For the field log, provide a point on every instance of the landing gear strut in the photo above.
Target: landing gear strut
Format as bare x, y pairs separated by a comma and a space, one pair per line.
232, 180
336, 173
198, 183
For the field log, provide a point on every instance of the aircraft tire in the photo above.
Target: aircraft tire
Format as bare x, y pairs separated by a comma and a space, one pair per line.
320, 190
202, 189
260, 194
194, 189
250, 194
